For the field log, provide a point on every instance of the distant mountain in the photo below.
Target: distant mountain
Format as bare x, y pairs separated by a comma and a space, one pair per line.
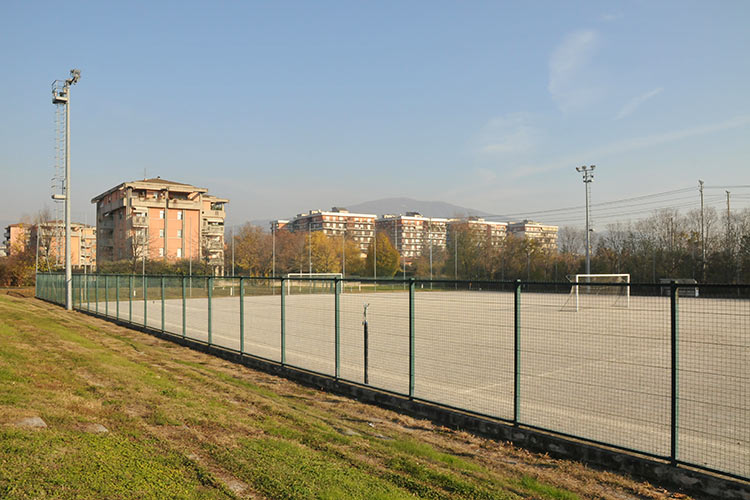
403, 205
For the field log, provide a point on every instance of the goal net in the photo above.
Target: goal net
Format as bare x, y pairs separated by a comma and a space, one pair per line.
598, 291
312, 282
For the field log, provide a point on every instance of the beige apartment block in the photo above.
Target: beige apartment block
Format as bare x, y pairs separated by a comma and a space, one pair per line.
338, 222
50, 236
545, 233
491, 231
16, 238
160, 219
413, 234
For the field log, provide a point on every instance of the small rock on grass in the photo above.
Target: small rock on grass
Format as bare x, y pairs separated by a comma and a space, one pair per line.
31, 423
95, 428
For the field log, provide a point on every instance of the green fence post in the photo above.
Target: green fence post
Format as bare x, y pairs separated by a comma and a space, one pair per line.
337, 323
183, 307
106, 295
88, 293
130, 298
209, 284
242, 316
283, 323
145, 300
96, 294
117, 297
516, 351
674, 423
162, 304
411, 338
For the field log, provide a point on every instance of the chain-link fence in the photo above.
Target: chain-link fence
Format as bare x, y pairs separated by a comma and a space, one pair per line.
659, 369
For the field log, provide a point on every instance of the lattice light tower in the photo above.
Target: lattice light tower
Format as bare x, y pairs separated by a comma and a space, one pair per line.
61, 98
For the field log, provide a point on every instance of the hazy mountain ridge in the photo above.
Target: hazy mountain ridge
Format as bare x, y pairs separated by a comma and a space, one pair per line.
403, 205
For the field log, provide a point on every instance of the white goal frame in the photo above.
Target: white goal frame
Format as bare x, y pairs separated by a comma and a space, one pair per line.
578, 282
312, 277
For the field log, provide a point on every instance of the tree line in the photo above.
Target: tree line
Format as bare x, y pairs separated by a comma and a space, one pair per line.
666, 244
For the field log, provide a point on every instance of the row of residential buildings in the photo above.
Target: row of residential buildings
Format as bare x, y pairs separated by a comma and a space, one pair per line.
412, 234
151, 218
161, 219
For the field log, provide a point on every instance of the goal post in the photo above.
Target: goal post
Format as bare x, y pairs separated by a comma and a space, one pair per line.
610, 290
310, 280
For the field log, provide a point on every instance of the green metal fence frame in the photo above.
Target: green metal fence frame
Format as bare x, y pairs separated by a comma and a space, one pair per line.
48, 287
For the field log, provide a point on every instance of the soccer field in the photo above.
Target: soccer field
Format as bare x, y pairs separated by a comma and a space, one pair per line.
602, 373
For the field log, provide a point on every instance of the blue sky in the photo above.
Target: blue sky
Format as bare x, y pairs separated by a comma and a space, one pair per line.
288, 106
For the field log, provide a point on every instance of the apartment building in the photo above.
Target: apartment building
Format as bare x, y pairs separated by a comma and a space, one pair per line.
338, 222
491, 231
544, 233
51, 238
16, 238
412, 234
160, 219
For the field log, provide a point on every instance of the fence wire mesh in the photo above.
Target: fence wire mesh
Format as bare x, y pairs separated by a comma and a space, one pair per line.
310, 324
714, 379
387, 334
601, 373
661, 369
459, 321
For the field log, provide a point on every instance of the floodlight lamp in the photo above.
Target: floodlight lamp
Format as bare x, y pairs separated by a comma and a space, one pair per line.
75, 75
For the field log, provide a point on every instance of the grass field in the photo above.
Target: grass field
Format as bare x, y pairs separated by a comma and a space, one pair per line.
180, 424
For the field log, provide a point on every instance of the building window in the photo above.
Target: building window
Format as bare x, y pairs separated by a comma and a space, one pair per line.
179, 233
161, 252
179, 253
179, 215
161, 233
161, 214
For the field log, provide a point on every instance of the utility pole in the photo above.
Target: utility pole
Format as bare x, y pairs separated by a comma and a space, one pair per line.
729, 224
309, 246
273, 249
61, 96
233, 251
703, 236
343, 252
430, 234
588, 177
374, 251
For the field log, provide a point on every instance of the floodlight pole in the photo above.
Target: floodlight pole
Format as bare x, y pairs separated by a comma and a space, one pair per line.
588, 177
62, 96
703, 235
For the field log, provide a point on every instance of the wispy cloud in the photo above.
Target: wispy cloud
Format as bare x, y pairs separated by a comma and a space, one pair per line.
609, 17
511, 133
635, 102
567, 83
634, 144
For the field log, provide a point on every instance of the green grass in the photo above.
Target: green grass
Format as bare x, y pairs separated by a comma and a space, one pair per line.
186, 425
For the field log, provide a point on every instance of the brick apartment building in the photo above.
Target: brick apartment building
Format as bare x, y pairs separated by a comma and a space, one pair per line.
51, 239
412, 234
338, 222
160, 219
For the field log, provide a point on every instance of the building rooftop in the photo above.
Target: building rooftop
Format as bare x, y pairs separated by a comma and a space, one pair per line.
156, 183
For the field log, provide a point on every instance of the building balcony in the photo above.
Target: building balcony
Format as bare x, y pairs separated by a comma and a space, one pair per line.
107, 223
187, 204
214, 213
111, 206
139, 221
213, 230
